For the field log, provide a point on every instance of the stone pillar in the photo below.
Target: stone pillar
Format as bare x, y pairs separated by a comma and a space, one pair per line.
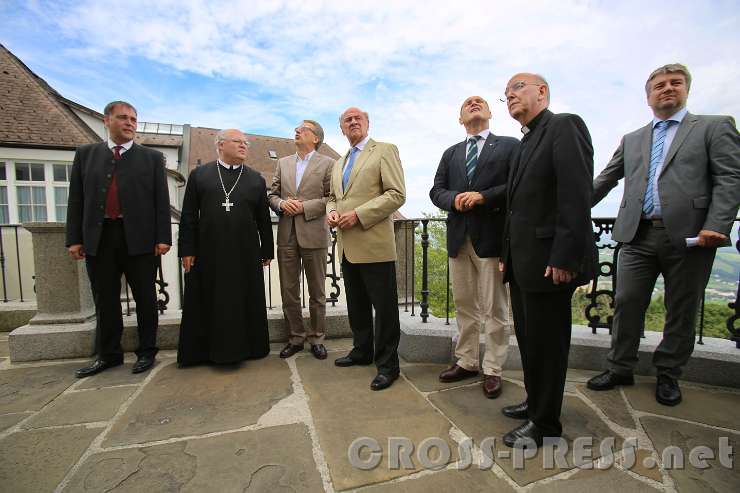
64, 325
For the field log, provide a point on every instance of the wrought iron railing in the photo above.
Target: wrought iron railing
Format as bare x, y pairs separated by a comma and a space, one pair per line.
414, 259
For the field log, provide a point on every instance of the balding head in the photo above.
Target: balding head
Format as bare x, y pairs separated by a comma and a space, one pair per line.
231, 145
354, 124
527, 94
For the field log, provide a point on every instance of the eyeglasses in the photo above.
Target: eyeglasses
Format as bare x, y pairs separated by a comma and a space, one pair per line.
516, 87
303, 128
237, 141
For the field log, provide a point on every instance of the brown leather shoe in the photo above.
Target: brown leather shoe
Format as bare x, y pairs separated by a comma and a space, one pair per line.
492, 386
456, 373
290, 350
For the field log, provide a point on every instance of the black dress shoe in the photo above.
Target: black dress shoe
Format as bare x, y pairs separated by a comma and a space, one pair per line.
608, 380
96, 367
290, 350
318, 350
525, 436
667, 391
348, 361
517, 411
143, 363
382, 381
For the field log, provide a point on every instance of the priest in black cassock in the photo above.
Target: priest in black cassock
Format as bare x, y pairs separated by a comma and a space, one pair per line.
225, 241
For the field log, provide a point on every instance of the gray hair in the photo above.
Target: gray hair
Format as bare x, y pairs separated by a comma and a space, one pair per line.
318, 131
671, 68
221, 136
108, 110
367, 117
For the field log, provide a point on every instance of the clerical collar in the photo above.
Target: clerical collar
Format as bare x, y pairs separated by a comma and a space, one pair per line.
228, 166
533, 124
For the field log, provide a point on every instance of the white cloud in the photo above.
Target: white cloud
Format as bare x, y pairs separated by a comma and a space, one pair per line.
410, 64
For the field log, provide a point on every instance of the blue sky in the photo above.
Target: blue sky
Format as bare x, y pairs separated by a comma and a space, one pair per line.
264, 66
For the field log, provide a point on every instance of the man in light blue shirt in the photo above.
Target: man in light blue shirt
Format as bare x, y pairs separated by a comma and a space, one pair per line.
681, 196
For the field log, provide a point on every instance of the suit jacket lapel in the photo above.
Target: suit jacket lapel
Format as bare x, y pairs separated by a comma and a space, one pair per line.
360, 160
538, 133
309, 167
288, 180
683, 131
486, 154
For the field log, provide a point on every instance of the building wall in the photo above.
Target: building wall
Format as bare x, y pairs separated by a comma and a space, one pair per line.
96, 124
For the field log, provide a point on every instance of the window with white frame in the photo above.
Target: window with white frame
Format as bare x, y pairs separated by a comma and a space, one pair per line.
61, 190
4, 204
30, 190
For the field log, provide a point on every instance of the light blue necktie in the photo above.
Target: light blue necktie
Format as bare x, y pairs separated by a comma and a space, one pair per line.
352, 155
472, 159
656, 156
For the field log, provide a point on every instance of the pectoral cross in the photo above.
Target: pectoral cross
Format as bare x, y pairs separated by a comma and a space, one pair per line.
227, 205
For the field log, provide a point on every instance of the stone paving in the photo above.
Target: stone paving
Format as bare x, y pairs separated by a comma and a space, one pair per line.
286, 426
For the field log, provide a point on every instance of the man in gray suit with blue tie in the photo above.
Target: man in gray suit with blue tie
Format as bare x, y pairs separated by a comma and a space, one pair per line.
682, 190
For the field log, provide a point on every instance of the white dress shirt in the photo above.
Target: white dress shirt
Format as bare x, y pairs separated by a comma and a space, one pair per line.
481, 142
669, 135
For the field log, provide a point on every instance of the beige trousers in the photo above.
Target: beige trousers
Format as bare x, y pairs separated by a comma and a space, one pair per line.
290, 258
483, 305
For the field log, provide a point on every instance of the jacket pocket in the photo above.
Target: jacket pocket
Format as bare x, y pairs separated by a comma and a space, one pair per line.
544, 232
701, 202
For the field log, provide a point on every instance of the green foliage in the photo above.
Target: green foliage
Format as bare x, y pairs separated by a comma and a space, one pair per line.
715, 312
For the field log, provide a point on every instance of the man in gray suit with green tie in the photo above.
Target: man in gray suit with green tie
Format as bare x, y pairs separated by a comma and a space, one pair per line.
682, 190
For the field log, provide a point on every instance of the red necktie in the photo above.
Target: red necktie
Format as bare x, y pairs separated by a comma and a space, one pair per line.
112, 206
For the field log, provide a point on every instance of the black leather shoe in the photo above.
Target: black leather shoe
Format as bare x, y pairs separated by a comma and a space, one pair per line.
318, 350
143, 363
608, 380
382, 381
348, 361
96, 367
667, 391
517, 411
525, 436
290, 350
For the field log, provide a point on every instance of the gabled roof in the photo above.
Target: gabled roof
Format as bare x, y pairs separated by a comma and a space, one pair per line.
203, 150
33, 114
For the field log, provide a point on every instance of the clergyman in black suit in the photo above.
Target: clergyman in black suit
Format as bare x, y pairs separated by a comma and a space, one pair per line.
118, 220
470, 185
549, 249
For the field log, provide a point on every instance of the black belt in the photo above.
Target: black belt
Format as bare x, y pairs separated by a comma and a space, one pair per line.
655, 223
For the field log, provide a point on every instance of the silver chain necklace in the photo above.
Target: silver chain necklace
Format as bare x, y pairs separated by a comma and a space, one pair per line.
227, 205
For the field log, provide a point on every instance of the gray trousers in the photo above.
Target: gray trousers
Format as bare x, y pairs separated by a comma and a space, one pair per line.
685, 272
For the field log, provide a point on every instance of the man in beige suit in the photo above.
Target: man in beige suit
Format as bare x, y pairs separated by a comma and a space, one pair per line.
300, 190
367, 186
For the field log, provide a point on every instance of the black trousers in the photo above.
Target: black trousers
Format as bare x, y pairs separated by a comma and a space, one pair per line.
104, 271
373, 286
542, 323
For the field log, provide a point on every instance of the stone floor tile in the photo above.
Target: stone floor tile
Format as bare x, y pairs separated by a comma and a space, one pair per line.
588, 481
425, 377
670, 433
471, 480
37, 460
481, 418
611, 403
644, 465
699, 404
575, 375
345, 409
120, 375
8, 420
275, 460
192, 401
81, 407
30, 389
